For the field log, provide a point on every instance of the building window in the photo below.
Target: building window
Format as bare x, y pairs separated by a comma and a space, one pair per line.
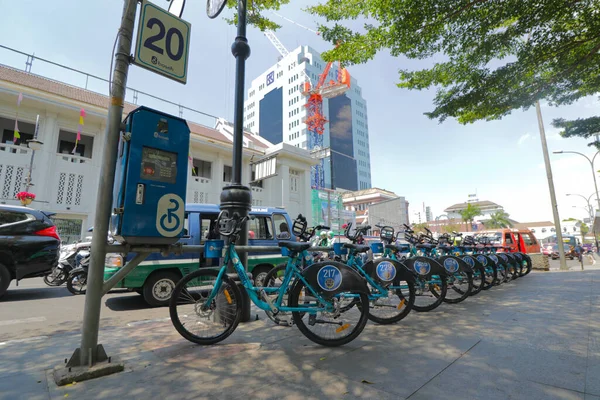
254, 182
227, 173
202, 169
294, 178
260, 228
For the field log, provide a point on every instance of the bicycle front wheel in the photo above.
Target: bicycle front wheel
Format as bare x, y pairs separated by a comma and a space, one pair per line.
198, 320
334, 328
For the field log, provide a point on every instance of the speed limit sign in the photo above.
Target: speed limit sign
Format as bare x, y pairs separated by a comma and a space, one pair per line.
162, 43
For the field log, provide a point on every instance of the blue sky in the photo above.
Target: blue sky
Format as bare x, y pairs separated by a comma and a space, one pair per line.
439, 164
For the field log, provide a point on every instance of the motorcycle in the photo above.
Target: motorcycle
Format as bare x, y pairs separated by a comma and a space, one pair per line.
77, 280
66, 263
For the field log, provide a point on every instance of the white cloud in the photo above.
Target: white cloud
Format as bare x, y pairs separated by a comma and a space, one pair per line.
524, 138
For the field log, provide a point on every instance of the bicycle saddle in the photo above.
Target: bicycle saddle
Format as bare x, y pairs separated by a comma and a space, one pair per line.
445, 247
361, 248
295, 246
398, 247
425, 246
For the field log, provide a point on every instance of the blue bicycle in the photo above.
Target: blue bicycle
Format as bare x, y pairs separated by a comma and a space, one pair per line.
391, 283
205, 307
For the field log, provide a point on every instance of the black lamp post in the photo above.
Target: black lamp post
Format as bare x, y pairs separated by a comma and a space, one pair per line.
237, 198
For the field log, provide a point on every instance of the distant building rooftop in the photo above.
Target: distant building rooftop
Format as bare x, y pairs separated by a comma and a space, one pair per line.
485, 204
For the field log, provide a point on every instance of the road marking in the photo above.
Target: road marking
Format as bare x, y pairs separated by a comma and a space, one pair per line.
31, 339
22, 321
148, 321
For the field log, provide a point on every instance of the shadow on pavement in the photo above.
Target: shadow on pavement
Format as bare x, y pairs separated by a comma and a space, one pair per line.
17, 294
127, 303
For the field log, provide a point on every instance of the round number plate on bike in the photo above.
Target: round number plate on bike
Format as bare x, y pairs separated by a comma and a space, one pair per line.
386, 271
494, 258
329, 278
482, 260
503, 256
518, 256
469, 261
422, 267
451, 265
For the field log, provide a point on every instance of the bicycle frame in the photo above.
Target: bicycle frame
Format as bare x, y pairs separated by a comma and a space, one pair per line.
292, 271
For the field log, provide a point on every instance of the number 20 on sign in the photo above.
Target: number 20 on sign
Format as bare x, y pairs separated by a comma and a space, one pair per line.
162, 42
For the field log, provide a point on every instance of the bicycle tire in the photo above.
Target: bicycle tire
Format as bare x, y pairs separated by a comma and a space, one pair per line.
232, 290
477, 288
362, 307
464, 295
408, 305
439, 296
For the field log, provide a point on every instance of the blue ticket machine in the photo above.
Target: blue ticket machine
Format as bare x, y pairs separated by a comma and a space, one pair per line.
151, 179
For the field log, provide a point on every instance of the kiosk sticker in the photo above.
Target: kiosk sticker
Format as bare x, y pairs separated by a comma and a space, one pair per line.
169, 215
386, 271
482, 260
469, 261
422, 267
451, 265
329, 278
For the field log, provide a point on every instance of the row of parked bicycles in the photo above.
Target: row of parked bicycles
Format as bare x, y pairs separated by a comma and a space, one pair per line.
330, 294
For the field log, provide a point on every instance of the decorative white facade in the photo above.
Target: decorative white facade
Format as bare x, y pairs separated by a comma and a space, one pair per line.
274, 108
66, 183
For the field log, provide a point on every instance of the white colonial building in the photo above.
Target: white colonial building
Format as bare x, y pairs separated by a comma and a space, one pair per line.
66, 183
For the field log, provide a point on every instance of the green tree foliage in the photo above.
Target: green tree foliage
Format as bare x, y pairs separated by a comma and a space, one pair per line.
581, 127
489, 57
256, 13
499, 219
450, 228
583, 227
469, 213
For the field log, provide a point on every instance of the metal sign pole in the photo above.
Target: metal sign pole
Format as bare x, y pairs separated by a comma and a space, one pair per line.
90, 352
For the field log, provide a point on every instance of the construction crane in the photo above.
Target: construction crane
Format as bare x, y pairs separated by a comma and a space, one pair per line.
315, 120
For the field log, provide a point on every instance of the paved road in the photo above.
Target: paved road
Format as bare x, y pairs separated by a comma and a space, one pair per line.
535, 338
34, 309
575, 265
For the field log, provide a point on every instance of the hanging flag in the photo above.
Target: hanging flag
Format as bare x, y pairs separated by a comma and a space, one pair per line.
191, 160
79, 129
16, 134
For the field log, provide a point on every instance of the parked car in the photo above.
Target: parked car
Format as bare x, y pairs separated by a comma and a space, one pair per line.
547, 249
156, 277
29, 244
522, 240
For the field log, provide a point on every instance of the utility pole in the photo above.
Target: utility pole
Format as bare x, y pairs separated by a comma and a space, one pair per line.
90, 351
561, 247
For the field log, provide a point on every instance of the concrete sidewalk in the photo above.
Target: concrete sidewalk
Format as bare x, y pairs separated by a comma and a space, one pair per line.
535, 338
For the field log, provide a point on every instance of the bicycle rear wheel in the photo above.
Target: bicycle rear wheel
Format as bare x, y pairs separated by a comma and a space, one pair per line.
198, 321
460, 285
430, 293
478, 280
334, 328
394, 307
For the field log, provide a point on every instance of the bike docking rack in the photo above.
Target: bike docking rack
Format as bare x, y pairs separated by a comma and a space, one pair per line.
71, 372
